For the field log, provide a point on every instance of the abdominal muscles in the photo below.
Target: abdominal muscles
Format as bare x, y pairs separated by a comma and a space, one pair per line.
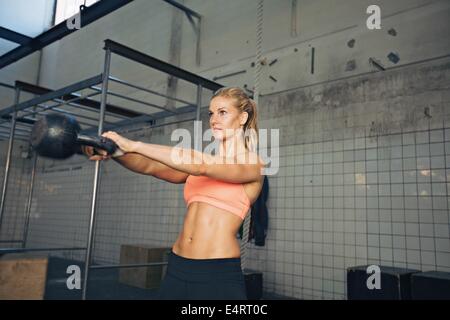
208, 232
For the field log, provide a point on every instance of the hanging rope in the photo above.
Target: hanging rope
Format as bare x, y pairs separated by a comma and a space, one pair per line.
259, 39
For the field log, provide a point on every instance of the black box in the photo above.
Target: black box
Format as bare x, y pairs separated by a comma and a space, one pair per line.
395, 284
433, 285
253, 284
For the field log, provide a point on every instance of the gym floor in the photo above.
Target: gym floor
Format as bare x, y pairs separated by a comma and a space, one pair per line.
103, 284
353, 109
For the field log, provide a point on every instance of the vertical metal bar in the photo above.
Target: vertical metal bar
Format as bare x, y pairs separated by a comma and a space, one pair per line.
198, 53
30, 195
30, 198
199, 101
90, 240
8, 155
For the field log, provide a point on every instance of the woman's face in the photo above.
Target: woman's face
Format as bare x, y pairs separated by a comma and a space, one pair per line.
224, 115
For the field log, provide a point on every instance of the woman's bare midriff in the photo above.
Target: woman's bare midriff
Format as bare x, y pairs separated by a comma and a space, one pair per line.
208, 233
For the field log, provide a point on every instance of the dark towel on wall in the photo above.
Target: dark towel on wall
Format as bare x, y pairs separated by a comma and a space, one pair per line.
259, 217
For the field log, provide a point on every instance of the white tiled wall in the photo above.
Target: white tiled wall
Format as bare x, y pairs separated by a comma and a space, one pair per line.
17, 194
60, 207
337, 204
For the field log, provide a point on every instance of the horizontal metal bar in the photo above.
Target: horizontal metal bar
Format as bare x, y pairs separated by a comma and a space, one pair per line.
8, 117
180, 110
25, 125
6, 85
15, 129
68, 113
73, 114
139, 101
145, 118
14, 36
92, 105
5, 134
122, 123
45, 113
148, 90
3, 138
134, 100
184, 8
77, 98
80, 106
11, 241
19, 134
8, 130
54, 94
172, 122
229, 75
155, 126
87, 16
17, 250
138, 265
51, 107
160, 65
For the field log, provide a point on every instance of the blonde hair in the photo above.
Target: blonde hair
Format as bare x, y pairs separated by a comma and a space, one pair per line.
245, 104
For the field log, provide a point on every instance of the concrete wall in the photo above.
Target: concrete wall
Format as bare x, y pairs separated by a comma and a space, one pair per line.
364, 156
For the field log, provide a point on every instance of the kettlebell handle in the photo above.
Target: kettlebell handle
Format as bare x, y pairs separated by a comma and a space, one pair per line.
98, 142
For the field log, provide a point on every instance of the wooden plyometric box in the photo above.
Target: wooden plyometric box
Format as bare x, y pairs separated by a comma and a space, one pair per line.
23, 276
142, 277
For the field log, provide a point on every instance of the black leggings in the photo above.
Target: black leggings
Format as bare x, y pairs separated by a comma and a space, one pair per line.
205, 279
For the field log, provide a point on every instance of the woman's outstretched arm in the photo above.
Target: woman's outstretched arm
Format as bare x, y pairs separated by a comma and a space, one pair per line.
194, 162
141, 164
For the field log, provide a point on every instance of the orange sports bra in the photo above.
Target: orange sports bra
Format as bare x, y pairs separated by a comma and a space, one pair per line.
223, 195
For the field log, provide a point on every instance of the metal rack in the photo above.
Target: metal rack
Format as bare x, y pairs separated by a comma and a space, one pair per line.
20, 114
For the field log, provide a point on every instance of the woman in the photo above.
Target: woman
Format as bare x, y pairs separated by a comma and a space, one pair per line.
204, 262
